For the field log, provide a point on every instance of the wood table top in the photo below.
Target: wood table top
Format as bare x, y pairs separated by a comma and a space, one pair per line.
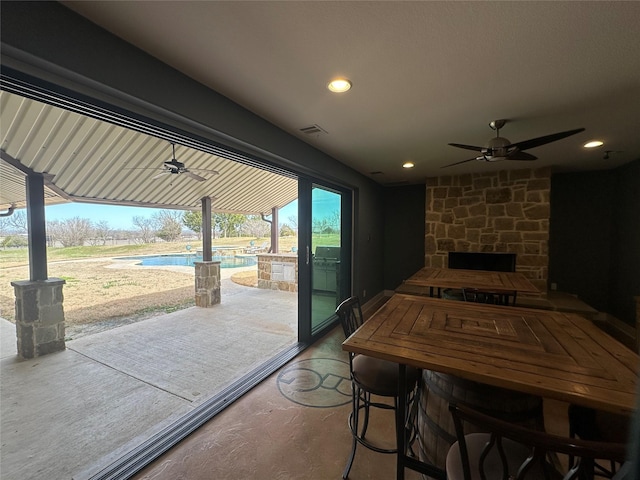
548, 353
484, 279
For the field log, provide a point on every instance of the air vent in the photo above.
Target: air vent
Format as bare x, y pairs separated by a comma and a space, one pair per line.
313, 130
376, 173
396, 184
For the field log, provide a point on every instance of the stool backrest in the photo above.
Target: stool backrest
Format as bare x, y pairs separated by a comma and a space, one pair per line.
350, 314
542, 445
479, 295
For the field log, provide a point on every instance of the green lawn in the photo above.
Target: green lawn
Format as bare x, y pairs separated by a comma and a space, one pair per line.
20, 256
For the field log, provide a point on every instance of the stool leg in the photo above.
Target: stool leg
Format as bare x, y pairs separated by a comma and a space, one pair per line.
366, 400
347, 468
353, 427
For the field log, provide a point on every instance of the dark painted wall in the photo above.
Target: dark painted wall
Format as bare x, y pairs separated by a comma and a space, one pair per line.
594, 238
625, 244
404, 224
52, 43
580, 235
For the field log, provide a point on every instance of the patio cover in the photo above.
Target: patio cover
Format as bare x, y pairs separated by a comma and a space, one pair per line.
93, 161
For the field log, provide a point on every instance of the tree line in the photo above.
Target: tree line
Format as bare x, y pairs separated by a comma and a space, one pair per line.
167, 225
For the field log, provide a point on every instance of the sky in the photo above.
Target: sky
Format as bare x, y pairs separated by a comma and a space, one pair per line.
325, 204
120, 217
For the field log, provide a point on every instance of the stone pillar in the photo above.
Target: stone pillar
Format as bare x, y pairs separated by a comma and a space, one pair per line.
39, 317
207, 284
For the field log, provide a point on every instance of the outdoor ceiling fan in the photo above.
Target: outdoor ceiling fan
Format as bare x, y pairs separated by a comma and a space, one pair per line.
499, 148
174, 167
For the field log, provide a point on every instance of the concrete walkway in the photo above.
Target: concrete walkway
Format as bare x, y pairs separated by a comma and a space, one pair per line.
67, 414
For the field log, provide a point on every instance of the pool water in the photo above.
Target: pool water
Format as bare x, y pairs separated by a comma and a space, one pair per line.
189, 260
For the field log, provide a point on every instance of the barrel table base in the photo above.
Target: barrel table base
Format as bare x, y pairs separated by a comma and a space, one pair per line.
435, 426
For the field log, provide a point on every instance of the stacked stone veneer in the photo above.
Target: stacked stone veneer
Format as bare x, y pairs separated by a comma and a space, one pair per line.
265, 279
207, 278
39, 317
506, 211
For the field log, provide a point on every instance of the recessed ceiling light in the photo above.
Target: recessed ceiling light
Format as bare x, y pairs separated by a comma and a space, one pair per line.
593, 144
408, 165
339, 85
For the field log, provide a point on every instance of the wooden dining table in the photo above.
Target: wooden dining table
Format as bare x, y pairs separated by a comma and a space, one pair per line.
552, 354
455, 278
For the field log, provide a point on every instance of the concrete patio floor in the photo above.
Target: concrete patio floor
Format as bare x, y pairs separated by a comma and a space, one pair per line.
68, 414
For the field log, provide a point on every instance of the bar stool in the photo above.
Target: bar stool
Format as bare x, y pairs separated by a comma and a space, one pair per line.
598, 426
371, 376
479, 295
512, 451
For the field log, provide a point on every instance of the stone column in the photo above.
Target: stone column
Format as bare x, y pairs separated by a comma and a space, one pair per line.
207, 283
39, 317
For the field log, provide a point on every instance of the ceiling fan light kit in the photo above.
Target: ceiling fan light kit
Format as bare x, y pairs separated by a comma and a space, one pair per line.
499, 148
497, 124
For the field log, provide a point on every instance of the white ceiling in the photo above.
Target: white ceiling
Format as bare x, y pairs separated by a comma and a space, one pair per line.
424, 73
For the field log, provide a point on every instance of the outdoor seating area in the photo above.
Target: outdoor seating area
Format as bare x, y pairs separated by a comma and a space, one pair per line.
252, 248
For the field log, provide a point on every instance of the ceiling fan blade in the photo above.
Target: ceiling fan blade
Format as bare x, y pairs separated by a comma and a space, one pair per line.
161, 174
536, 142
194, 176
521, 156
212, 172
458, 163
466, 147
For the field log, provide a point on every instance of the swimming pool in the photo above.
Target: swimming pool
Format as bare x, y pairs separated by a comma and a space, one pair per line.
188, 260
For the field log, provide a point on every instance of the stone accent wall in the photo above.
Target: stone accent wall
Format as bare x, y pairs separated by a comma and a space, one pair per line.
266, 272
207, 279
506, 211
39, 317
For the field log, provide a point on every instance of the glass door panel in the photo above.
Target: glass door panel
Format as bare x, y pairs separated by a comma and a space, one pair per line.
326, 215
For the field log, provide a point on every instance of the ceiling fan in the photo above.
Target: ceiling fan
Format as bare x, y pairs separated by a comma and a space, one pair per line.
499, 148
175, 167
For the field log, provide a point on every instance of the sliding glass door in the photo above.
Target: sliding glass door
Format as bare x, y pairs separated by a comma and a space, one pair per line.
326, 255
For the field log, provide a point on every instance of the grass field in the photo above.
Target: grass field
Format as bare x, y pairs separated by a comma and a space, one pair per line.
20, 256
